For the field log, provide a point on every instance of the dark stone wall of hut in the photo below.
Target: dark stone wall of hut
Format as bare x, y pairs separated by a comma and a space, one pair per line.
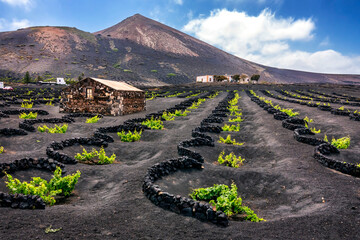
104, 100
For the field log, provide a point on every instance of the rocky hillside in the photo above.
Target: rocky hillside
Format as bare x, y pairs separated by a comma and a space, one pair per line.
137, 50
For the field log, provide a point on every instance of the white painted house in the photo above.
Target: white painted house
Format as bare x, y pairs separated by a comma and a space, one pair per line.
60, 81
205, 78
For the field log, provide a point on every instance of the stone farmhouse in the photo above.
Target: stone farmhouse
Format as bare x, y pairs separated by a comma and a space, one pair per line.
106, 97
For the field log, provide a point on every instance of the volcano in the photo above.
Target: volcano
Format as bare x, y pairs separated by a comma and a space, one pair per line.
137, 50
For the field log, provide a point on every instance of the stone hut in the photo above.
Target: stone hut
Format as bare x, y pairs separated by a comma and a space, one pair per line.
106, 97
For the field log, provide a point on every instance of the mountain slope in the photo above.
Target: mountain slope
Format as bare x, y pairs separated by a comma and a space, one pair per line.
137, 50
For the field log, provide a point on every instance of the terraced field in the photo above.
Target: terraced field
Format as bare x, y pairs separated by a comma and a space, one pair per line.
301, 185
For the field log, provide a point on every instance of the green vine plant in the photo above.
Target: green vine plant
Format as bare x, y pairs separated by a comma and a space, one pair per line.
288, 111
231, 128
179, 113
52, 230
152, 123
153, 96
26, 105
95, 157
238, 119
129, 136
174, 95
44, 189
94, 119
30, 115
214, 95
196, 104
225, 199
234, 109
313, 129
228, 140
230, 160
168, 116
236, 114
340, 143
193, 95
56, 129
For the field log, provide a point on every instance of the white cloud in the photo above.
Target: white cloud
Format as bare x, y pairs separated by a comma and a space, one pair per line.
190, 15
266, 39
325, 42
15, 24
18, 3
179, 2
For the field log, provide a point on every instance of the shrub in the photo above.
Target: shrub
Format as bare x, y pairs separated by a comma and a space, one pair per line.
154, 71
94, 119
129, 136
231, 128
228, 140
31, 115
46, 190
153, 123
49, 103
341, 143
225, 199
230, 160
168, 116
95, 157
26, 105
171, 75
1, 149
56, 129
127, 70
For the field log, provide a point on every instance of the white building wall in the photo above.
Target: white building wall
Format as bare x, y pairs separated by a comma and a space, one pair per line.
60, 81
205, 78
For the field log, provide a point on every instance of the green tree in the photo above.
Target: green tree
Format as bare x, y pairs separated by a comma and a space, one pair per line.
236, 77
38, 78
81, 76
255, 77
219, 78
27, 78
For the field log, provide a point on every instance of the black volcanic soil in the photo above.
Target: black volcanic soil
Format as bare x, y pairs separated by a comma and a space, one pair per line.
280, 180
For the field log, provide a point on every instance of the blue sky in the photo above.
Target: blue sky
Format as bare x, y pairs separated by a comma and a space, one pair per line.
311, 35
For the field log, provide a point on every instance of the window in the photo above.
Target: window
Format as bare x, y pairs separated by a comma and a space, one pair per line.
89, 93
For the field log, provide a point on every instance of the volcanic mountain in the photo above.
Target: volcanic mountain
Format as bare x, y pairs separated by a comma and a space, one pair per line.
137, 50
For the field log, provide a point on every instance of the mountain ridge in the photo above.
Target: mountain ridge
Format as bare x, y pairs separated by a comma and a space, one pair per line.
137, 50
